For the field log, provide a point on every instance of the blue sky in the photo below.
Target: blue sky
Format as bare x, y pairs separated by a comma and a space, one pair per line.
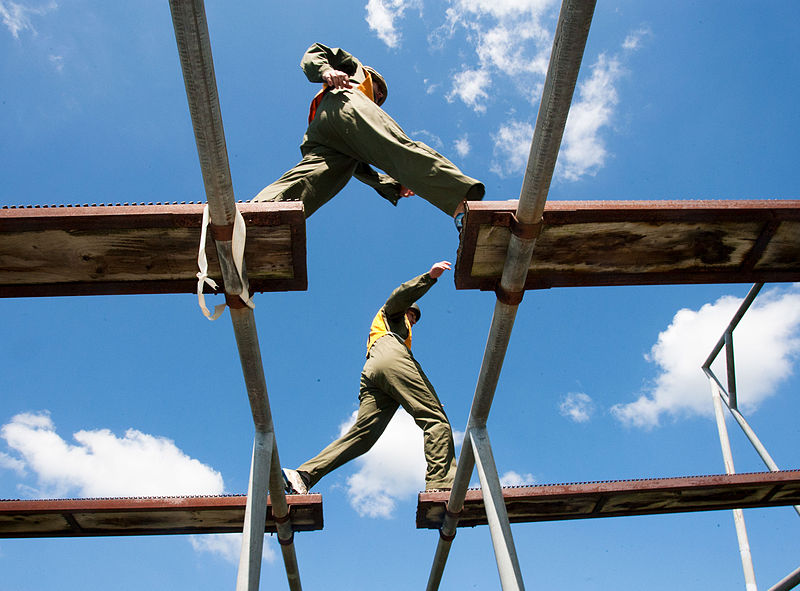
141, 395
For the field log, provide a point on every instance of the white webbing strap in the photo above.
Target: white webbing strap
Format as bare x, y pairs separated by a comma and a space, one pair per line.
237, 247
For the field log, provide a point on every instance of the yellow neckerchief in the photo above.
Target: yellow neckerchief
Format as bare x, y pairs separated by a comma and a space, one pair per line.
365, 87
380, 327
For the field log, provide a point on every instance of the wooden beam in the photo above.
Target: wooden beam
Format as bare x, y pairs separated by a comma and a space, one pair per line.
145, 516
587, 243
617, 498
139, 249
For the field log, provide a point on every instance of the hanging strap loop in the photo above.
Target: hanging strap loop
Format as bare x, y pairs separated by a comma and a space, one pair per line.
238, 238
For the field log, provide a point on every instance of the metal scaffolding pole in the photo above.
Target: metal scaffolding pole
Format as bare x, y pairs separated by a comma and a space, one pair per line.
565, 60
738, 515
727, 396
194, 48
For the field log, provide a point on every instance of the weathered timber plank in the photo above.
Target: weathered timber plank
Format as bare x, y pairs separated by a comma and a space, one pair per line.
145, 516
621, 498
637, 243
141, 249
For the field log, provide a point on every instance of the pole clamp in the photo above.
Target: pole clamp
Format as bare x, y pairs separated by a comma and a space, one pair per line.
447, 538
509, 298
280, 520
525, 231
222, 233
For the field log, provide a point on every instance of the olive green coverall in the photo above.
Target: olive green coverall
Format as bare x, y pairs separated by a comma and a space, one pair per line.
391, 378
349, 133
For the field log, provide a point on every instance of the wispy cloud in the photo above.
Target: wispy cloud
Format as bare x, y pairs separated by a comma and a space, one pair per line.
100, 464
471, 87
511, 39
512, 144
17, 17
577, 406
462, 146
634, 40
512, 478
583, 150
382, 16
767, 342
227, 547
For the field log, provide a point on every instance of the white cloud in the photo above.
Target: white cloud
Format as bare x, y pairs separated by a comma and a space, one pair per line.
577, 407
6, 461
462, 146
17, 17
512, 478
512, 145
392, 470
100, 464
228, 547
382, 16
512, 38
471, 87
634, 40
583, 150
766, 343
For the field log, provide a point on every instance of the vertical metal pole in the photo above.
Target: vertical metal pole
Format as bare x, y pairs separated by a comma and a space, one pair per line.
499, 527
738, 515
731, 370
255, 514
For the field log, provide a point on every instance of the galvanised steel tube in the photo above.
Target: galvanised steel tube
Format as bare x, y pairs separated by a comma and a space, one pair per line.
738, 514
568, 46
249, 574
496, 514
745, 305
194, 48
746, 428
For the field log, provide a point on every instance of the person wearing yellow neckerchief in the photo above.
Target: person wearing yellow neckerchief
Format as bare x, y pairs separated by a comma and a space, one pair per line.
348, 133
391, 378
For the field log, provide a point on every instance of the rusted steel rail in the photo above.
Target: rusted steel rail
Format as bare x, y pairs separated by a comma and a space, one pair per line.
142, 516
619, 498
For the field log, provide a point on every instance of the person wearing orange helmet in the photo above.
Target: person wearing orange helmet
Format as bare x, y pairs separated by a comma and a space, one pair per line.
348, 134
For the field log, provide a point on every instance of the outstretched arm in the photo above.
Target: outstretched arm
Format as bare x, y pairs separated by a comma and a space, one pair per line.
410, 291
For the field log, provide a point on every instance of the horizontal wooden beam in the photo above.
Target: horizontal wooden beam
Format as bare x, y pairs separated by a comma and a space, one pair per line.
139, 249
589, 243
145, 516
587, 500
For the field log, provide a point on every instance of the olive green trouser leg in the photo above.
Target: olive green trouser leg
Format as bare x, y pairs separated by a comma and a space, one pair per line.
374, 413
320, 175
351, 124
392, 370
